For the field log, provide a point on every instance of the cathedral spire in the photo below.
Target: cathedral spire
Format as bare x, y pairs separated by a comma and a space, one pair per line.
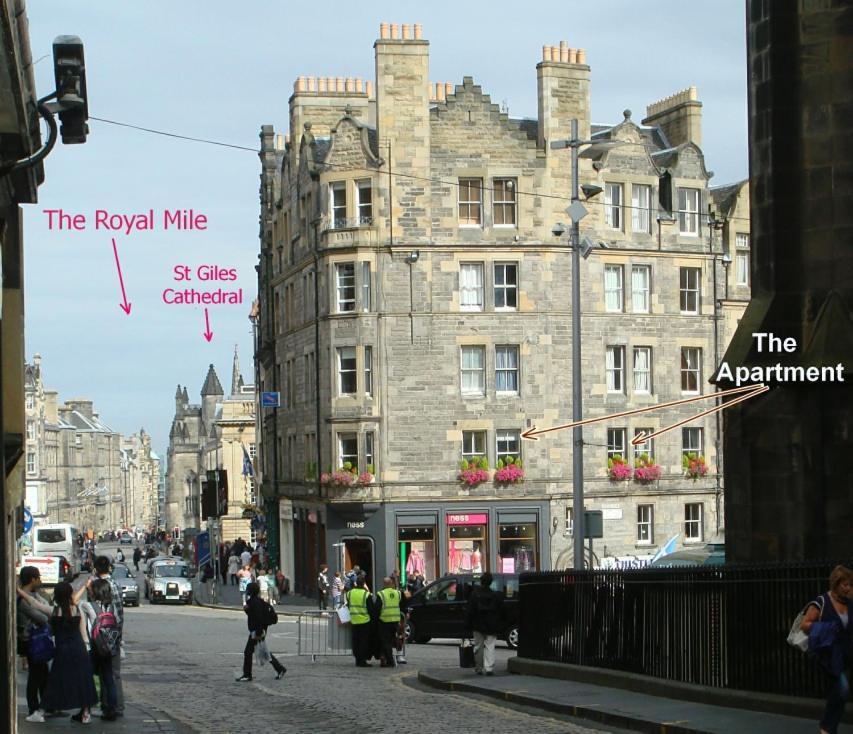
236, 379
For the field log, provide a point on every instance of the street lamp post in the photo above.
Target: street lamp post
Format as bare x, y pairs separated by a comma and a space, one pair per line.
576, 211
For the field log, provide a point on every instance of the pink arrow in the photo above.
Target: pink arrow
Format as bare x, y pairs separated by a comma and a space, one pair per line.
124, 306
208, 334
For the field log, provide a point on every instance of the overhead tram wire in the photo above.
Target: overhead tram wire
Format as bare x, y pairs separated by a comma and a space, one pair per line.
626, 207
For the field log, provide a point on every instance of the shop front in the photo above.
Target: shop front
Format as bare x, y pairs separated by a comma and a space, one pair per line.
439, 538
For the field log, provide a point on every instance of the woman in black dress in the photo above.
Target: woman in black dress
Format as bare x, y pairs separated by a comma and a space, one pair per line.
70, 684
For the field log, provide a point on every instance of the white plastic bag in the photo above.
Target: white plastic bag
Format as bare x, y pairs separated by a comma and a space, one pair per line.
262, 653
343, 615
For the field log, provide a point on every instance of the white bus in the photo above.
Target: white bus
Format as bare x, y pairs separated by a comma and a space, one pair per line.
60, 539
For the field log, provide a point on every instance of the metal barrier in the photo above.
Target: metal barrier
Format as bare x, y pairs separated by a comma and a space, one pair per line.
320, 634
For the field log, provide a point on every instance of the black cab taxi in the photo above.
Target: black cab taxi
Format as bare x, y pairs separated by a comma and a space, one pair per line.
439, 609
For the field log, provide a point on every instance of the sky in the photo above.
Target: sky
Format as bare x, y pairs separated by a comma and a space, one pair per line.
219, 70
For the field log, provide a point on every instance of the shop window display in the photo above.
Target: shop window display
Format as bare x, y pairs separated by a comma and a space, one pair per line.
467, 543
416, 551
517, 547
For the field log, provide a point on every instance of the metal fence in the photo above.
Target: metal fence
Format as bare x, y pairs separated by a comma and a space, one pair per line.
320, 634
723, 626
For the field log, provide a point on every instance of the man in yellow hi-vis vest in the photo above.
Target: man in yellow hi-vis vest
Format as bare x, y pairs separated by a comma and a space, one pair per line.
360, 603
388, 601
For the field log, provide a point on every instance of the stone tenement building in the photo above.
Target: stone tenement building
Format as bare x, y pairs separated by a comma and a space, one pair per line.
414, 314
140, 468
206, 437
74, 470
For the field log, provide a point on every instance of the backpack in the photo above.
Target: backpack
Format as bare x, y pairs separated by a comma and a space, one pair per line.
349, 583
270, 615
41, 643
106, 634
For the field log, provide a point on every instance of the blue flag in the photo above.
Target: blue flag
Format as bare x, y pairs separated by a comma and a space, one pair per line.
248, 471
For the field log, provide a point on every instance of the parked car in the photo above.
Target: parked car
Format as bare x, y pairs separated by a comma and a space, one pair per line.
439, 609
168, 579
127, 583
711, 554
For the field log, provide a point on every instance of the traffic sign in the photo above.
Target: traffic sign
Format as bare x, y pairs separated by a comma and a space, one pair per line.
202, 549
270, 399
28, 520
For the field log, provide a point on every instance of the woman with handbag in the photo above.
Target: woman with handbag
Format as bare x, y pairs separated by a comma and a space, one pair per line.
828, 618
30, 623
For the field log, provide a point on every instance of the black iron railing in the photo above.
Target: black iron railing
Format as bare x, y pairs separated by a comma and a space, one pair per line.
723, 626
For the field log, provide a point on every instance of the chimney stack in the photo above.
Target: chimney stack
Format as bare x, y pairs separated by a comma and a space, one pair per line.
679, 116
563, 91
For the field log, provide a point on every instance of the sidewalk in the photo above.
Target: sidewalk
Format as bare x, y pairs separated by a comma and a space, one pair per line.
137, 718
290, 605
617, 707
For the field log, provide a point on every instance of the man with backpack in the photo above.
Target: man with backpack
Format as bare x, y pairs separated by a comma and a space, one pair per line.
486, 619
30, 620
102, 570
260, 616
104, 641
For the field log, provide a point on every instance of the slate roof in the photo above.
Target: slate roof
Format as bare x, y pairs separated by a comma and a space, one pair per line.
725, 197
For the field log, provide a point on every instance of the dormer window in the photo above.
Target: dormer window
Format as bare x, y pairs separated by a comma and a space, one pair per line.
338, 204
688, 212
364, 202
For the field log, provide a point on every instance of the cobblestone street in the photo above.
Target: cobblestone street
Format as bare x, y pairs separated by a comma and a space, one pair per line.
184, 661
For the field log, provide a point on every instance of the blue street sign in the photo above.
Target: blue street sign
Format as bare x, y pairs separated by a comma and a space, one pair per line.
28, 520
202, 548
270, 399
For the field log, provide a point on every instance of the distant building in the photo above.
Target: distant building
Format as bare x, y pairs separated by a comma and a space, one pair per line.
415, 314
216, 434
140, 467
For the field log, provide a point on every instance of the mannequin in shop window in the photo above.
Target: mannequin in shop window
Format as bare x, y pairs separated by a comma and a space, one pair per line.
415, 564
476, 560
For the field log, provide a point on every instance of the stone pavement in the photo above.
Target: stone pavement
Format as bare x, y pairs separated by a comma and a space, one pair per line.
616, 707
138, 718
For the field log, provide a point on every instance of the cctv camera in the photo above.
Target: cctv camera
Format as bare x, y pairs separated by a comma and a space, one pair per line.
558, 230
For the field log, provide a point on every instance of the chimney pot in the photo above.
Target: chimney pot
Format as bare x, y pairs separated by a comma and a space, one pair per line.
321, 84
555, 53
448, 88
693, 93
407, 30
395, 31
300, 84
311, 87
368, 88
581, 58
350, 84
359, 85
383, 30
546, 53
572, 55
566, 53
339, 84
563, 44
419, 31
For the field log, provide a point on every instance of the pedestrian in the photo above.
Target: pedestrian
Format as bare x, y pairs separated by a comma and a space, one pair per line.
836, 659
337, 589
233, 567
102, 570
29, 618
245, 576
119, 556
245, 557
272, 586
137, 557
224, 552
388, 611
69, 684
323, 586
258, 613
485, 617
101, 604
361, 609
351, 578
263, 585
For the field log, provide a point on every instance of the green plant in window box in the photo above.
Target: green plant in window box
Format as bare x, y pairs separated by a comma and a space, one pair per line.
474, 471
509, 470
694, 465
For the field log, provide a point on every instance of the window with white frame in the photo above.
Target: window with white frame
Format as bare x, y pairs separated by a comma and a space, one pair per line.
470, 202
570, 525
646, 447
616, 443
368, 370
615, 368
345, 285
473, 370
473, 444
364, 202
613, 205
691, 361
507, 444
31, 462
348, 449
642, 369
645, 524
365, 286
689, 289
691, 441
613, 287
471, 286
506, 286
641, 201
641, 276
30, 401
688, 212
347, 375
742, 259
370, 451
506, 369
31, 430
694, 521
503, 202
338, 204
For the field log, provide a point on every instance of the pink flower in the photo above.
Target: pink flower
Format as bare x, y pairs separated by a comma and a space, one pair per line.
325, 478
619, 471
510, 474
365, 478
342, 478
646, 473
473, 477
